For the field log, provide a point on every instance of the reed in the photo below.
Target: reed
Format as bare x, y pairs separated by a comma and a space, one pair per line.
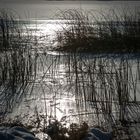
105, 86
17, 60
105, 33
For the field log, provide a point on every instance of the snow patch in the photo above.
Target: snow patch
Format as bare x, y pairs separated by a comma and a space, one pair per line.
16, 133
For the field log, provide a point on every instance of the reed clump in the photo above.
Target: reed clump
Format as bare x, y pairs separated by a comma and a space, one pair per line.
108, 85
17, 63
105, 33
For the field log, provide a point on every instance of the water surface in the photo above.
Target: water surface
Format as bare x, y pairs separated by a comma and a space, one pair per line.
47, 9
63, 82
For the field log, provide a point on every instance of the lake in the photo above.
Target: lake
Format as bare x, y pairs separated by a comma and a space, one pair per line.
47, 9
72, 88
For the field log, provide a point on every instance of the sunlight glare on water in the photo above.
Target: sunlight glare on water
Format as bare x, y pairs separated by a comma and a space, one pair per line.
45, 31
46, 27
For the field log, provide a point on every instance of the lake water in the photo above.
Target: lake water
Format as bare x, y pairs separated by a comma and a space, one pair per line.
64, 81
70, 88
47, 9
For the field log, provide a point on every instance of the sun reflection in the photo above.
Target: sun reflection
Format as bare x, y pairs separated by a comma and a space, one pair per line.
46, 27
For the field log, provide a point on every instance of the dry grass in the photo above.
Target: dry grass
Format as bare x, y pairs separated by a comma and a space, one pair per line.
105, 33
107, 84
17, 60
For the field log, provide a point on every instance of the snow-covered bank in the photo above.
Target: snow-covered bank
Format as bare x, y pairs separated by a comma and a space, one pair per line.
97, 134
16, 133
20, 133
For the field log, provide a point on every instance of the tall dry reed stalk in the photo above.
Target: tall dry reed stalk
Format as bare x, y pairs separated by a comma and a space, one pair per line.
17, 60
109, 84
105, 33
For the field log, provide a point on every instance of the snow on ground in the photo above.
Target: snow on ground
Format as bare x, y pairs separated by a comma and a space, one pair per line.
20, 133
16, 133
